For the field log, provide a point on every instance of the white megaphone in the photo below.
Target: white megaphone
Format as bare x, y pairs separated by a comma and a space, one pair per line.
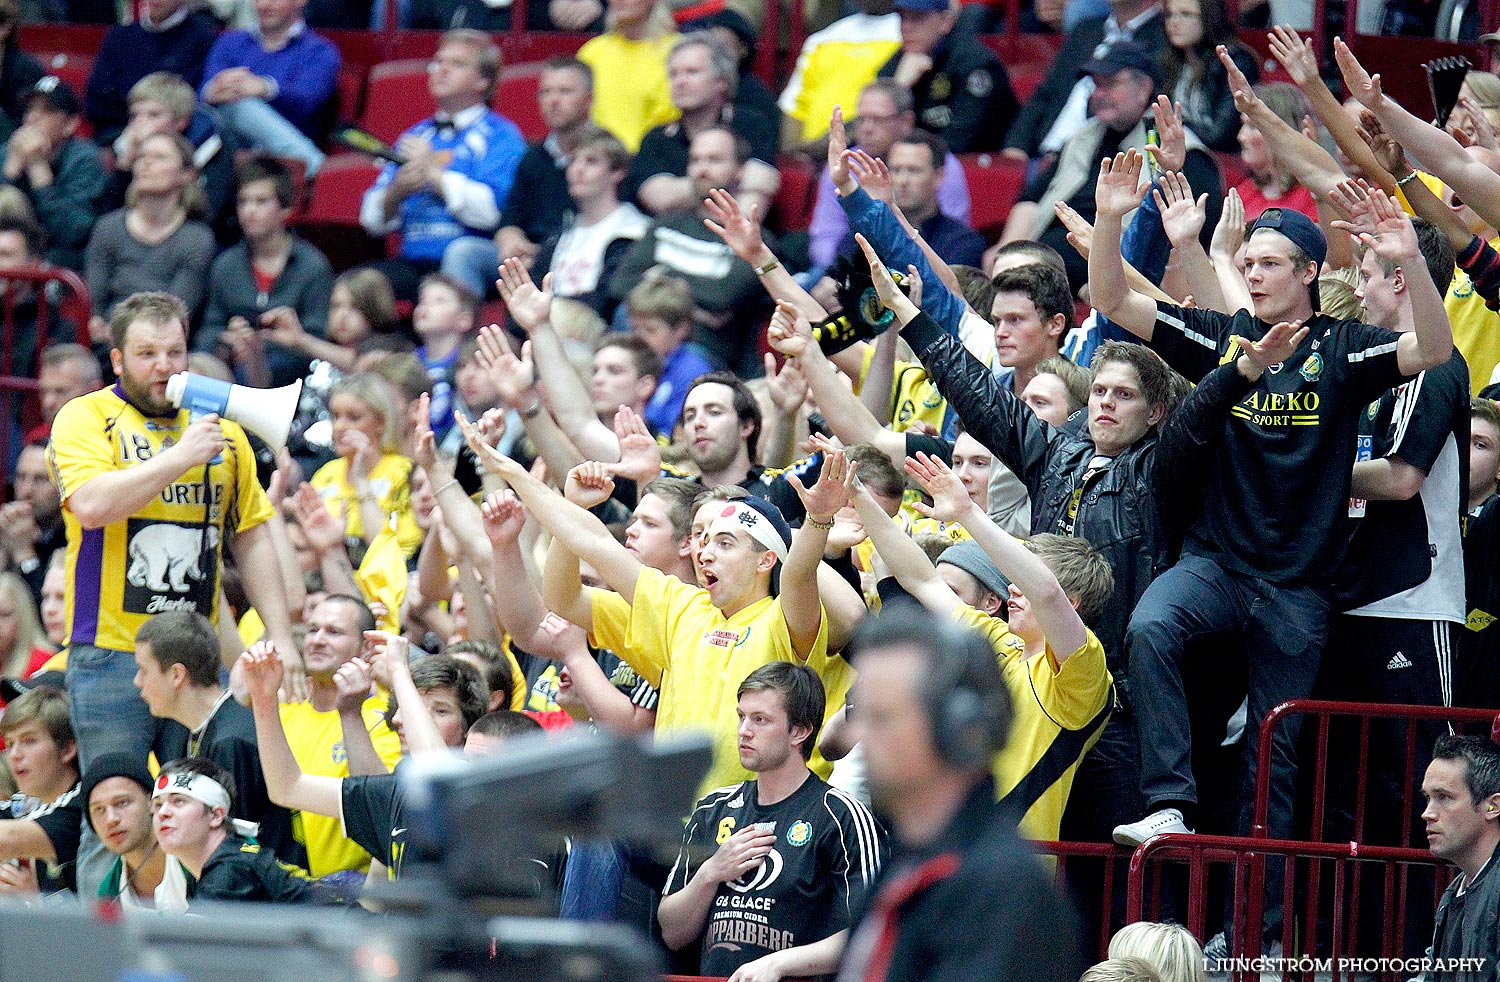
267, 413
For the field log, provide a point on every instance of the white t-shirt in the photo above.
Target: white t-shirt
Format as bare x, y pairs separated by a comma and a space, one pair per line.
578, 260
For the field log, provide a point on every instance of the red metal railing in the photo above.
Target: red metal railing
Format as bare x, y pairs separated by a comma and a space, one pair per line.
1317, 930
1321, 714
62, 314
1113, 859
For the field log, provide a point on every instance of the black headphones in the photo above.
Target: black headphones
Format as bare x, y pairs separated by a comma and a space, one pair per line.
968, 704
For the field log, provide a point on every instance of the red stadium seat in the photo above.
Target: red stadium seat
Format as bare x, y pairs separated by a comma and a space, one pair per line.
350, 86
396, 98
994, 185
793, 207
331, 218
515, 98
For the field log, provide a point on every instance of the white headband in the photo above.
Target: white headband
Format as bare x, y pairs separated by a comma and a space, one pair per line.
199, 787
736, 516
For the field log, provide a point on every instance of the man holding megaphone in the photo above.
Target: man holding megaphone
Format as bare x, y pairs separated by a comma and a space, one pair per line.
150, 497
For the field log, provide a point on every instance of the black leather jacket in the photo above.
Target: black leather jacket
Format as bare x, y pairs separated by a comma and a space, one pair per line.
1117, 513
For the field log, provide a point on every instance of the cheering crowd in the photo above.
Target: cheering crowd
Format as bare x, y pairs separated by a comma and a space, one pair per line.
945, 543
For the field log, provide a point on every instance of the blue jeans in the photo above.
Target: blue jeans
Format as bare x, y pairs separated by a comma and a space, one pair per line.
264, 128
473, 261
591, 882
108, 713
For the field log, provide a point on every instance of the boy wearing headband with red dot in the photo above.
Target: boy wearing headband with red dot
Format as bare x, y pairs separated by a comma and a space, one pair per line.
190, 805
698, 639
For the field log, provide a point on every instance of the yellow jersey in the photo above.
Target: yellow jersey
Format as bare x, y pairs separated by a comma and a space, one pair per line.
677, 640
835, 65
168, 555
1059, 714
390, 480
317, 741
914, 396
638, 96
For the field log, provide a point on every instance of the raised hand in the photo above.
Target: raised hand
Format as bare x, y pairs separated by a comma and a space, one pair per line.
589, 484
1119, 190
514, 378
1363, 86
790, 333
1245, 99
364, 454
950, 501
353, 684
1382, 225
504, 517
1275, 346
1171, 152
1295, 54
261, 671
1080, 232
1182, 218
530, 306
1388, 153
838, 161
787, 386
824, 499
1478, 128
740, 231
848, 531
323, 531
559, 639
391, 651
885, 286
492, 459
913, 285
873, 175
1229, 234
640, 454
424, 443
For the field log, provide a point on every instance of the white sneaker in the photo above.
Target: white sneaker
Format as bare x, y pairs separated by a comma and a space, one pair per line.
1167, 820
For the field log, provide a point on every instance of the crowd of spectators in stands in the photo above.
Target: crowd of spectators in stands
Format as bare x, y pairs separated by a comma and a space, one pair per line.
944, 536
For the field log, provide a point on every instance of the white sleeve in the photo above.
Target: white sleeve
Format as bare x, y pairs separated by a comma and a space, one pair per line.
471, 202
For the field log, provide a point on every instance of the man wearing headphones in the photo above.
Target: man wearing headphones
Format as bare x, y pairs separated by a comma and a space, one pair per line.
962, 897
772, 868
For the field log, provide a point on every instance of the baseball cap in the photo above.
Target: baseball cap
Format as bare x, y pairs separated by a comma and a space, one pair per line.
1303, 231
12, 689
970, 557
57, 93
922, 6
1122, 55
115, 764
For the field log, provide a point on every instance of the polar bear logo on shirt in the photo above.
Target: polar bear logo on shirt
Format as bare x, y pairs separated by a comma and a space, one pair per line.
166, 557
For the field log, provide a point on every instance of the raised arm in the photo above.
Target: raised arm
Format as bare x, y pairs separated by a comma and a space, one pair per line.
1054, 611
801, 601
583, 533
791, 336
1081, 237
903, 557
1117, 193
421, 731
1182, 218
741, 232
566, 394
518, 606
1441, 153
354, 683
1382, 226
1228, 235
286, 784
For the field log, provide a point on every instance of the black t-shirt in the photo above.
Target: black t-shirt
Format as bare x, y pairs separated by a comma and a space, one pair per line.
62, 822
1425, 423
1476, 679
664, 149
228, 739
1276, 503
240, 869
828, 850
372, 809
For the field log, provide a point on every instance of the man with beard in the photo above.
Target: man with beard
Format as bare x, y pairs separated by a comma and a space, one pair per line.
150, 497
771, 868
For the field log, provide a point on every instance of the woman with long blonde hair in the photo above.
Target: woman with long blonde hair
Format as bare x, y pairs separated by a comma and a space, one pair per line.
22, 640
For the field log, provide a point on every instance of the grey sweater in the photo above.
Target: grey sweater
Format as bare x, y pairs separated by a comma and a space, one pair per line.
116, 265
